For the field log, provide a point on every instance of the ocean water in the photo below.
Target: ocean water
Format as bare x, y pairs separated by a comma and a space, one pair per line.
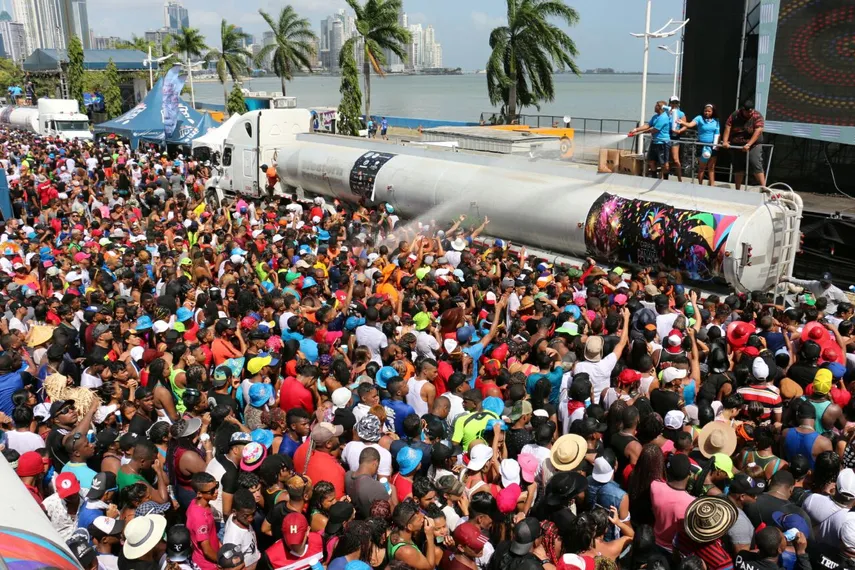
464, 97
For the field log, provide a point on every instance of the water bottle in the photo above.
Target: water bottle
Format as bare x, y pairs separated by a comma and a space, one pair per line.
386, 484
852, 288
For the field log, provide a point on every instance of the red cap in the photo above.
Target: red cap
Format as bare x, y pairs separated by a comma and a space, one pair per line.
467, 534
66, 485
80, 256
575, 562
738, 333
751, 351
500, 353
830, 354
629, 376
30, 464
294, 530
492, 368
508, 498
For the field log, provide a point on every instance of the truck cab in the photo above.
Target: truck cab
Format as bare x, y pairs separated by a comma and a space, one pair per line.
251, 142
62, 118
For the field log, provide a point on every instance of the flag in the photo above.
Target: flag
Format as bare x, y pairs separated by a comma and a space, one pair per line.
172, 85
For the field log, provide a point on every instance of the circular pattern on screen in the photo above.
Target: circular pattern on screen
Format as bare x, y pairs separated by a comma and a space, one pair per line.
813, 71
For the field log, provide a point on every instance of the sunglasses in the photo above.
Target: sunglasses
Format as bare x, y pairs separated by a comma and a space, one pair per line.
212, 490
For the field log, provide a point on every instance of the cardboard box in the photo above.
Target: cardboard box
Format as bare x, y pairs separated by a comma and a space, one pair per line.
602, 163
631, 164
609, 160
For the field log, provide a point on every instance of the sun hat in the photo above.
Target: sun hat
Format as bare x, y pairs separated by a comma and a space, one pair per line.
39, 334
507, 499
252, 456
568, 451
717, 437
190, 427
458, 244
260, 394
409, 459
709, 518
479, 455
142, 534
262, 436
738, 333
368, 428
528, 466
594, 349
510, 472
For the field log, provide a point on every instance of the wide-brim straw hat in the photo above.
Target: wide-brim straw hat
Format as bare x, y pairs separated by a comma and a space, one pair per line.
709, 518
568, 451
717, 437
39, 334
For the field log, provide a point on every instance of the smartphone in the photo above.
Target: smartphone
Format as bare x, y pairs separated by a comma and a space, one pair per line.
791, 534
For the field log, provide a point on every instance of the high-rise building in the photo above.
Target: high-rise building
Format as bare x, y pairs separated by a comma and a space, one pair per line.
325, 34
336, 42
437, 55
268, 39
429, 43
175, 16
75, 21
103, 42
415, 55
49, 24
13, 37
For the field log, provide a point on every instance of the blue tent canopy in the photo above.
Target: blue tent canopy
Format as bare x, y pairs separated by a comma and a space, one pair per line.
145, 121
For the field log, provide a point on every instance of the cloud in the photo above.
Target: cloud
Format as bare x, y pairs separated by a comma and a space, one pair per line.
417, 18
485, 22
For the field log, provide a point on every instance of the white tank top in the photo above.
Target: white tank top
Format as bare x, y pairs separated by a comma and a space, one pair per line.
414, 398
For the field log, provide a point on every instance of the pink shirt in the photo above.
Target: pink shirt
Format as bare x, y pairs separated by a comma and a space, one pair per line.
200, 523
669, 510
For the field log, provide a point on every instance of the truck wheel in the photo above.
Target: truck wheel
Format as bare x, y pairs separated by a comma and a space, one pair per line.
566, 148
211, 199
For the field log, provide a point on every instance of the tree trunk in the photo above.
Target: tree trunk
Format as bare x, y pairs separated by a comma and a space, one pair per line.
225, 100
366, 69
282, 80
512, 100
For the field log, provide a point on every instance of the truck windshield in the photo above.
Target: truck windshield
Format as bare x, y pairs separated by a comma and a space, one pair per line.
72, 125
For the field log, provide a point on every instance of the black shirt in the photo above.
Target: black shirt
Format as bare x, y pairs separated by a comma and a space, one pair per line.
824, 557
229, 482
663, 401
56, 451
223, 399
747, 560
125, 564
766, 505
802, 373
711, 386
139, 424
515, 440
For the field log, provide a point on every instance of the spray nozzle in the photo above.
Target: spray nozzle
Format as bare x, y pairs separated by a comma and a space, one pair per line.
630, 134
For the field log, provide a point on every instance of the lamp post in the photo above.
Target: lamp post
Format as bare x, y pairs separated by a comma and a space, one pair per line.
150, 61
189, 65
677, 52
665, 31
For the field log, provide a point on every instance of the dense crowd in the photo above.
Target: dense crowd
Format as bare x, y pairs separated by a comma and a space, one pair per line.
273, 384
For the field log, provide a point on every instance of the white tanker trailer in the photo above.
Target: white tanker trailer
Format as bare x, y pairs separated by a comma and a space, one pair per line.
712, 235
51, 117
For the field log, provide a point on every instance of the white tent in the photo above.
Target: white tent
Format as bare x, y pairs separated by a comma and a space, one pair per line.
215, 138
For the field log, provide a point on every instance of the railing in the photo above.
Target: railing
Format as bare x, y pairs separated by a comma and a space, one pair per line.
690, 149
589, 134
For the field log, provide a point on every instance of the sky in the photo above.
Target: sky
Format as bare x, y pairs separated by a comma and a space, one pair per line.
602, 35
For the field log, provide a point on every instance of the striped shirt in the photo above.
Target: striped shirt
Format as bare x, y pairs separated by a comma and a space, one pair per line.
766, 394
712, 553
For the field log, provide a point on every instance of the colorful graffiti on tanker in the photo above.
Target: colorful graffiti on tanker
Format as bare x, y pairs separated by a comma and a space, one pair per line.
652, 233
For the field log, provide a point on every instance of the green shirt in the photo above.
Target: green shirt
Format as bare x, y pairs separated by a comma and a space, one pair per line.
471, 426
127, 479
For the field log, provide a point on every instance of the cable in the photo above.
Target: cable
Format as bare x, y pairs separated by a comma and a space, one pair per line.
833, 177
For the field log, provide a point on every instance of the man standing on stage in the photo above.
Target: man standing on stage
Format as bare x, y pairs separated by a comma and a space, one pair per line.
744, 129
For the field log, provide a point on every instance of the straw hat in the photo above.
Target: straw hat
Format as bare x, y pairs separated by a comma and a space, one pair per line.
717, 437
568, 451
142, 534
40, 334
709, 518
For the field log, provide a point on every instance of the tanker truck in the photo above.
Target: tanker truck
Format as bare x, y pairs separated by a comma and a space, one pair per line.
49, 118
715, 236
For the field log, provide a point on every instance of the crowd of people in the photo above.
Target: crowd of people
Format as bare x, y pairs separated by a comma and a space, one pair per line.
274, 384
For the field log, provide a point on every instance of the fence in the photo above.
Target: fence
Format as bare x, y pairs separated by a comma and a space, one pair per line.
691, 149
590, 134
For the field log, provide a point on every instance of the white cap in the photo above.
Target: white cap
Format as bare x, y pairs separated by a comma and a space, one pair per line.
449, 345
316, 219
674, 99
603, 471
72, 276
187, 223
160, 327
846, 483
237, 259
510, 471
675, 419
256, 233
340, 397
670, 374
277, 238
372, 257
479, 455
760, 369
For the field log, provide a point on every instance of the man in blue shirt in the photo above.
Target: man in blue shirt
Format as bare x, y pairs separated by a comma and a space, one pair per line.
397, 402
659, 126
677, 130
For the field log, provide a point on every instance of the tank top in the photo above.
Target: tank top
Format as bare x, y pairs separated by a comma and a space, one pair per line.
618, 444
689, 393
751, 456
820, 408
393, 548
414, 398
182, 479
797, 442
177, 390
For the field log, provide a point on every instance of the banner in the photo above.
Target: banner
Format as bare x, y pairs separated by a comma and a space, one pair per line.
172, 85
5, 198
365, 170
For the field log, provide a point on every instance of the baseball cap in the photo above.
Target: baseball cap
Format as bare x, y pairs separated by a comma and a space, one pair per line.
240, 438
603, 470
105, 526
846, 483
469, 535
30, 464
525, 533
82, 550
744, 484
678, 467
520, 409
229, 556
67, 485
325, 431
102, 483
510, 472
294, 530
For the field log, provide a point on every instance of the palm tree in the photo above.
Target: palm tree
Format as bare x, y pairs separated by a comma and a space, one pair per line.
191, 43
292, 47
232, 56
377, 25
526, 52
137, 43
166, 48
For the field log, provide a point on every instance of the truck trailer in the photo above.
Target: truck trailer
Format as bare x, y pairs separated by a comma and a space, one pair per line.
59, 118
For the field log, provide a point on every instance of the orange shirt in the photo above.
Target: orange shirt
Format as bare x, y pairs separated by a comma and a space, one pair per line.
223, 350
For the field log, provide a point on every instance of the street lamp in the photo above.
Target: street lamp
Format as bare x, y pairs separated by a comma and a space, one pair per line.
150, 61
665, 31
190, 65
677, 52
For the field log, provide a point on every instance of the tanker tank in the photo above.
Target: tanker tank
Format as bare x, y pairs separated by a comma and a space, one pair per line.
26, 118
712, 235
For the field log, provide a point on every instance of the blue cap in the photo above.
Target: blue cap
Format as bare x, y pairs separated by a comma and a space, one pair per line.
492, 422
573, 310
238, 251
493, 404
464, 334
305, 249
43, 251
309, 282
837, 370
409, 459
353, 322
262, 436
323, 235
390, 209
786, 521
144, 322
499, 243
384, 375
184, 314
260, 394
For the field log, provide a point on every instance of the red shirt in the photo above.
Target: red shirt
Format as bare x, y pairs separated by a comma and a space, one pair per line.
322, 467
200, 523
293, 394
281, 557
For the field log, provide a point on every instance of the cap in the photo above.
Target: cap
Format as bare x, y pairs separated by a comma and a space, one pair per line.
294, 530
510, 472
469, 535
105, 526
229, 556
30, 464
102, 483
823, 381
240, 438
525, 533
325, 431
507, 499
678, 467
744, 484
82, 550
846, 483
675, 419
603, 470
67, 485
520, 409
